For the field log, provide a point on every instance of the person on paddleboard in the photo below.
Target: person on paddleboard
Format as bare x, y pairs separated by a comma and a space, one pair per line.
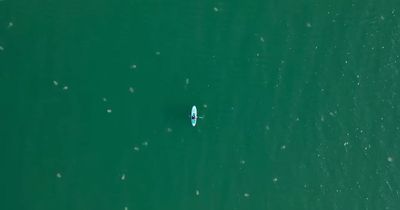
193, 117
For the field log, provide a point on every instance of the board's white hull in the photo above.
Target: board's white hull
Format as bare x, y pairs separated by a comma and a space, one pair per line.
193, 113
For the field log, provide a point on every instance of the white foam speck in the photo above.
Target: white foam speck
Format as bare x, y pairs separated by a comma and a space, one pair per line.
275, 179
145, 143
10, 24
158, 53
59, 175
267, 127
65, 87
283, 147
308, 24
136, 148
104, 99
205, 106
169, 130
125, 208
262, 39
1, 48
133, 66
131, 90
109, 110
197, 192
187, 81
123, 177
246, 195
55, 83
216, 9
390, 159
346, 143
242, 162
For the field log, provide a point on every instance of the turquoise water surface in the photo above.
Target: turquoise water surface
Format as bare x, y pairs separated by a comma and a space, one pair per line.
300, 101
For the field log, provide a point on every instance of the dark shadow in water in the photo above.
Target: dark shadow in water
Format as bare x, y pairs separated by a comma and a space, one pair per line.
178, 113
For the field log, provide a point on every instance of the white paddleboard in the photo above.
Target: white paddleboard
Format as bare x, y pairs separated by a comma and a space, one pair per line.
193, 116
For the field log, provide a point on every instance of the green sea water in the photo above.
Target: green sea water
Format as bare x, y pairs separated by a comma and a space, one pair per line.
300, 101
